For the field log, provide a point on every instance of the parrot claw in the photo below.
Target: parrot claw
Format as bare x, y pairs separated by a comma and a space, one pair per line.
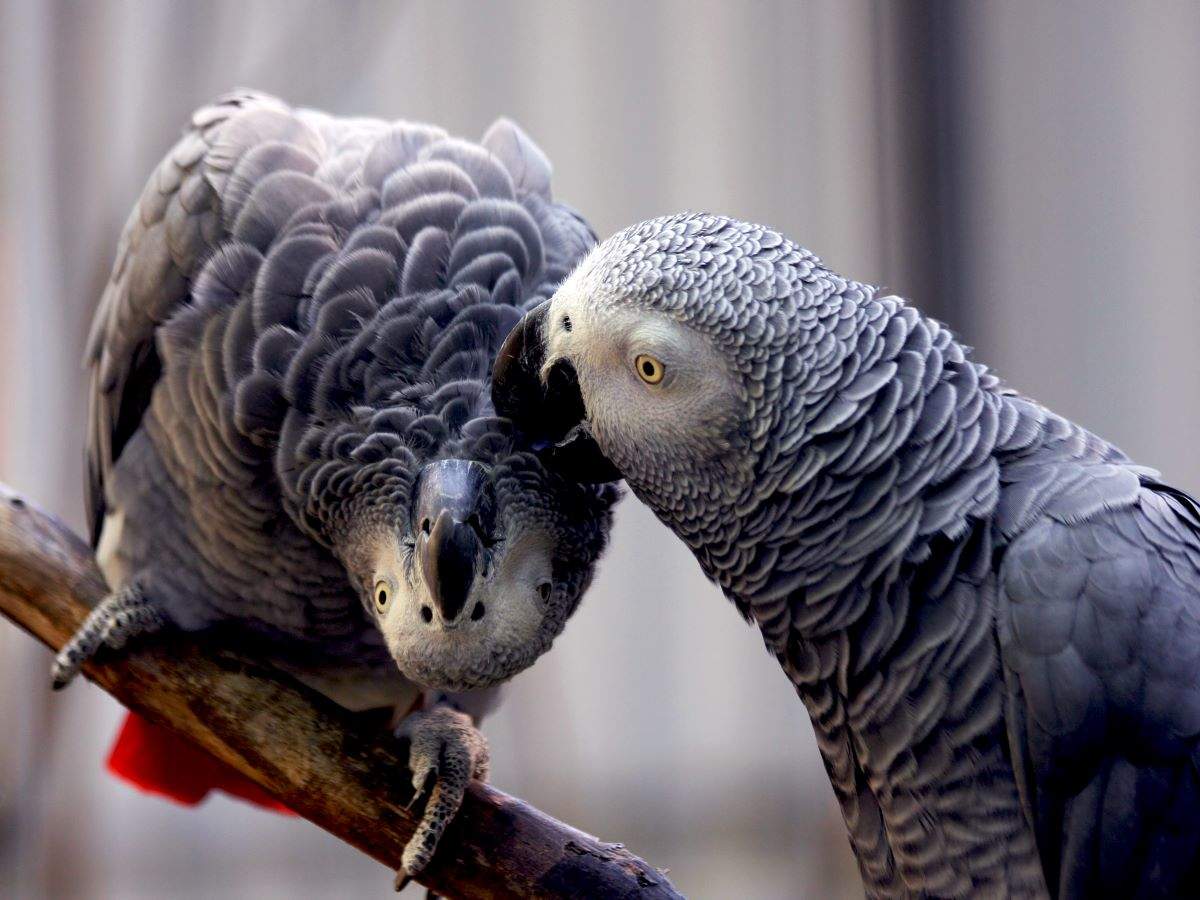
403, 880
122, 615
445, 753
425, 786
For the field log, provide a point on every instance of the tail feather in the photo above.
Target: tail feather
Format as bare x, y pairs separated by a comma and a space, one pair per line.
159, 761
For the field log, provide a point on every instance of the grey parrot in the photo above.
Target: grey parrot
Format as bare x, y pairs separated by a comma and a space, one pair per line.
292, 434
991, 615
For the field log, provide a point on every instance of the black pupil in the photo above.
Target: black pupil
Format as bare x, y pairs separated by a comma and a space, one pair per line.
382, 597
648, 368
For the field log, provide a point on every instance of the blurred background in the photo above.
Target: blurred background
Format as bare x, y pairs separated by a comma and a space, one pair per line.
1025, 171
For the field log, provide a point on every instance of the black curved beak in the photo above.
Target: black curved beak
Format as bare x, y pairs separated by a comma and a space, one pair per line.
550, 416
454, 517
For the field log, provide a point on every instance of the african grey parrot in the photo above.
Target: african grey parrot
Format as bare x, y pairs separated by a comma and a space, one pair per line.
291, 425
992, 615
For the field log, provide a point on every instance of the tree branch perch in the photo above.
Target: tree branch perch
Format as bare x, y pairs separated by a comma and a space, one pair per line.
335, 769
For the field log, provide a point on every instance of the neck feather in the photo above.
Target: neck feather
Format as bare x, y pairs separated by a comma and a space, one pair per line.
889, 446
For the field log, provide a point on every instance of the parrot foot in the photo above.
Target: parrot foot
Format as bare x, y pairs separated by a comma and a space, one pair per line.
445, 753
118, 617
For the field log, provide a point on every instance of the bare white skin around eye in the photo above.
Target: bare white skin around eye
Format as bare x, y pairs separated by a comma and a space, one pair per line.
512, 594
690, 396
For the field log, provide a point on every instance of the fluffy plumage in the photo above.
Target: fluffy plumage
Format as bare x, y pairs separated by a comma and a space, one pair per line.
291, 426
992, 615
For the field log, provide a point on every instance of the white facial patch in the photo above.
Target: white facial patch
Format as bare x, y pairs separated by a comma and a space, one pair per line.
689, 407
477, 650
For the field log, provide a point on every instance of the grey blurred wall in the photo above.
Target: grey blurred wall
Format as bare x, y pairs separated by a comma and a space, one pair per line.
1024, 170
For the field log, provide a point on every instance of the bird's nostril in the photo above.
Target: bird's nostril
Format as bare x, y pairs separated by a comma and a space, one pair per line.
477, 612
427, 614
426, 525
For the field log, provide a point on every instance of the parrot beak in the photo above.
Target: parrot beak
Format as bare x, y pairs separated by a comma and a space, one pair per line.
453, 520
549, 414
449, 555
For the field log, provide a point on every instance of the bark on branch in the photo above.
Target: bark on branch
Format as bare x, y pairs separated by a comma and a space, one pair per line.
335, 769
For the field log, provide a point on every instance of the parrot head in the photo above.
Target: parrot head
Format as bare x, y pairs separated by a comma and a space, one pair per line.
471, 569
673, 356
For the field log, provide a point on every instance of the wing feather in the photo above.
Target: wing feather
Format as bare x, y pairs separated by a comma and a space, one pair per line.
1099, 622
178, 220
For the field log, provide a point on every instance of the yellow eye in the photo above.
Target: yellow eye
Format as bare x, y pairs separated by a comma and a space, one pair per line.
649, 369
382, 595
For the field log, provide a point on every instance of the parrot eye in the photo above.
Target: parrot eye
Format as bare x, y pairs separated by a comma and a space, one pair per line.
649, 369
381, 595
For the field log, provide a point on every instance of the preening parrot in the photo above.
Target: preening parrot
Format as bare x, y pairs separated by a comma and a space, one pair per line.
292, 434
991, 615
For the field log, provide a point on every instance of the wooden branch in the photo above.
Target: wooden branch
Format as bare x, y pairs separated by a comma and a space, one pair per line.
330, 766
